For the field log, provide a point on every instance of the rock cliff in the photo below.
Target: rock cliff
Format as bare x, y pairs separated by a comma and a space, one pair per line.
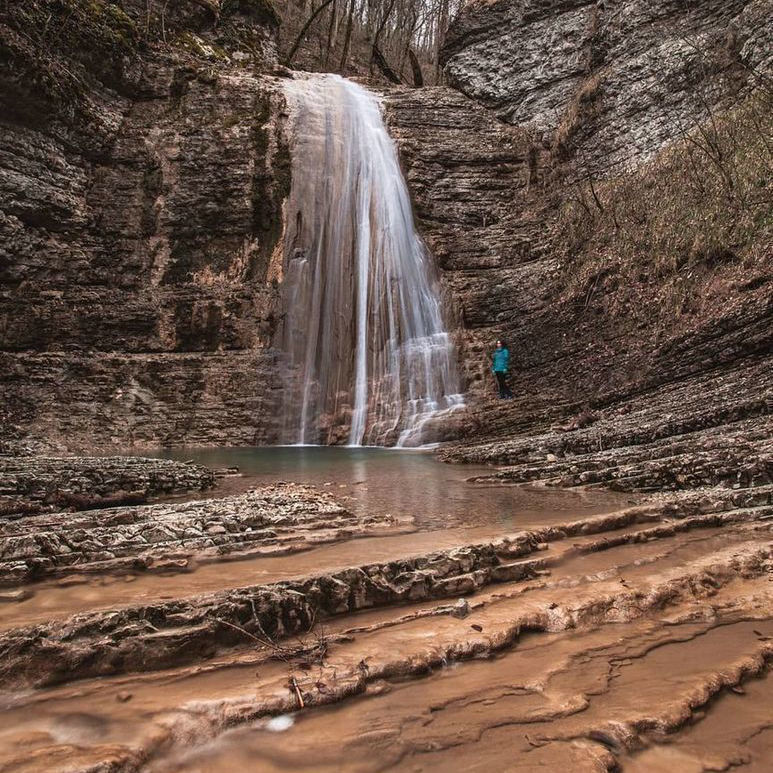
620, 241
613, 80
143, 168
595, 187
142, 175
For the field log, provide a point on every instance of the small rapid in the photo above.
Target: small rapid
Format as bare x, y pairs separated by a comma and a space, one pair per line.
369, 357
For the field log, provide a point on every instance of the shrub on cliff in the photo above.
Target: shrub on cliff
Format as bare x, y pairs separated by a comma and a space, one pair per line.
703, 204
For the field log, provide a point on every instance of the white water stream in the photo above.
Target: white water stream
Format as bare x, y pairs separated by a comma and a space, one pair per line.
370, 361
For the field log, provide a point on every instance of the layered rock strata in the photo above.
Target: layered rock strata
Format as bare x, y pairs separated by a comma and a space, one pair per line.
704, 432
597, 598
602, 332
641, 72
33, 484
203, 623
169, 537
151, 177
142, 173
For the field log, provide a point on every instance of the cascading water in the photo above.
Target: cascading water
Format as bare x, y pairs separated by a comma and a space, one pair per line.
370, 360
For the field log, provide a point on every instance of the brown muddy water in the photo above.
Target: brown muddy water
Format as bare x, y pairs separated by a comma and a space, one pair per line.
633, 645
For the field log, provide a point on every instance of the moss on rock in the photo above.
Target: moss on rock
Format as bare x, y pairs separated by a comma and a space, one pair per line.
56, 51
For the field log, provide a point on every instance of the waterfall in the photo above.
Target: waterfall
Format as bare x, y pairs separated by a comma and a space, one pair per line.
369, 360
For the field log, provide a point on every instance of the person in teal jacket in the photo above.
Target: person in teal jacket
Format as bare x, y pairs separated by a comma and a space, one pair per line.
500, 366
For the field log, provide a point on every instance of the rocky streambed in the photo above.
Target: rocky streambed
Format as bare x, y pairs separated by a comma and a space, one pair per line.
280, 628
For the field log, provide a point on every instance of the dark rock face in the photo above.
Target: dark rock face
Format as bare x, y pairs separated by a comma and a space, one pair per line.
642, 70
466, 172
138, 223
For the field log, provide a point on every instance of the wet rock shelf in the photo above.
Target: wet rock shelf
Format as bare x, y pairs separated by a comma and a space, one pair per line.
120, 640
168, 537
564, 652
31, 480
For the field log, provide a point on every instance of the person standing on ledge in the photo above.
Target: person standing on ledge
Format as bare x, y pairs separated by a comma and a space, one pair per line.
501, 363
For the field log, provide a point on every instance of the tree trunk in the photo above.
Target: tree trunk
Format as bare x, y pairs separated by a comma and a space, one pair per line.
347, 38
418, 78
305, 29
378, 59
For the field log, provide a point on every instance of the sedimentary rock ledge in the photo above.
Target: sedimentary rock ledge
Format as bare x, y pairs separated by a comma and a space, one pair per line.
737, 455
707, 431
572, 618
160, 634
170, 536
28, 483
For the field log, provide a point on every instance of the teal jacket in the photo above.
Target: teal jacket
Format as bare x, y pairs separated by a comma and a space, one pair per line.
501, 360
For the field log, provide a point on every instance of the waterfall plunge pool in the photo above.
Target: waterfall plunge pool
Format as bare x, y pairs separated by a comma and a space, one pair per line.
410, 485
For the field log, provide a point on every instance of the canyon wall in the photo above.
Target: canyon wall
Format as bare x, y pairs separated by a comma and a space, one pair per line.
599, 196
610, 81
591, 183
142, 174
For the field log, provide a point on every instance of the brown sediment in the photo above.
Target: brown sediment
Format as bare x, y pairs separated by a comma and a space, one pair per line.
185, 628
577, 643
734, 729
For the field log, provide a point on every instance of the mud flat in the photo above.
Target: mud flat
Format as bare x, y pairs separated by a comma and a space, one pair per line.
290, 632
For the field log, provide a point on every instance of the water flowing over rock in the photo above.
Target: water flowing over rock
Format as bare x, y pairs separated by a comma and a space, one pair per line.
370, 360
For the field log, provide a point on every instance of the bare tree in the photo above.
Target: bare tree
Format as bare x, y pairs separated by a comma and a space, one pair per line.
402, 38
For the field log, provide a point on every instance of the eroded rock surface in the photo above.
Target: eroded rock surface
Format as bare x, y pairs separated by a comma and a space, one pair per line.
581, 642
707, 432
625, 371
169, 537
643, 70
142, 172
32, 484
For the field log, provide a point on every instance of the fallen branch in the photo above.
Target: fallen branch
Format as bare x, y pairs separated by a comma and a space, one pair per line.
266, 643
68, 499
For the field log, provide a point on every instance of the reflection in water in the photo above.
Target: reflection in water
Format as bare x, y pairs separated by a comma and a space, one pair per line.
402, 483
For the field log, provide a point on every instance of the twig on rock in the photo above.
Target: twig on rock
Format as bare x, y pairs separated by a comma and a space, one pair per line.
265, 643
294, 683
